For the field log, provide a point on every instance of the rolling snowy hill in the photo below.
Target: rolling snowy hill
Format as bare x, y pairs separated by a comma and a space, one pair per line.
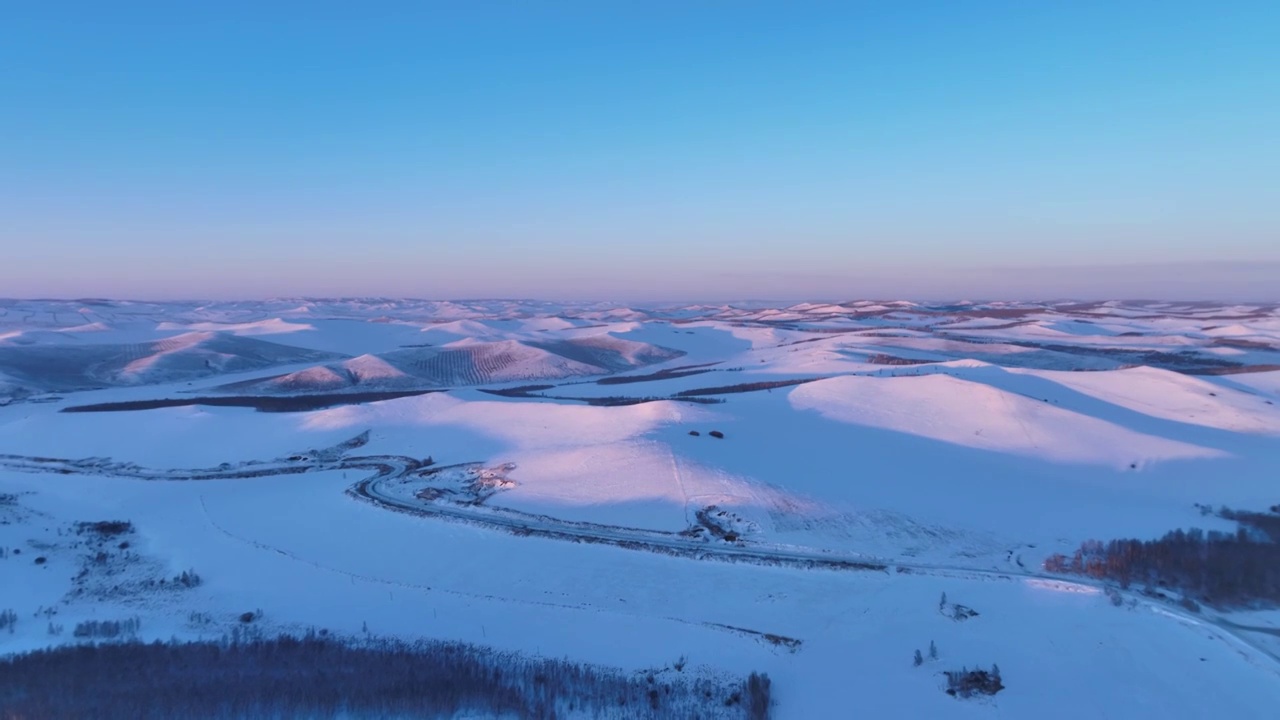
63, 367
468, 362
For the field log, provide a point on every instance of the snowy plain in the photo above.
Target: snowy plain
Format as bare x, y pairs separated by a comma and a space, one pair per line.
955, 447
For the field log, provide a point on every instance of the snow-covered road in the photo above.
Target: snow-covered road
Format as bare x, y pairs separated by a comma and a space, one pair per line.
392, 468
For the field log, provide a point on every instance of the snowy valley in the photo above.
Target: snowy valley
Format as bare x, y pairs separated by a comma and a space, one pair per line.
853, 499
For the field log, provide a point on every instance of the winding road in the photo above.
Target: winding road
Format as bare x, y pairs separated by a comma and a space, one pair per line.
392, 468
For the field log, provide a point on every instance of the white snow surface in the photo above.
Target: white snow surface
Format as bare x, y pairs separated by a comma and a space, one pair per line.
971, 414
957, 445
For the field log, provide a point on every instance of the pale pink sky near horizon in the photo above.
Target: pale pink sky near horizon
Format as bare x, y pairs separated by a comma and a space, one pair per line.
1226, 281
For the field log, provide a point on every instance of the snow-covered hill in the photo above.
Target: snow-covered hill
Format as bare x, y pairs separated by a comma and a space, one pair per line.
468, 362
67, 367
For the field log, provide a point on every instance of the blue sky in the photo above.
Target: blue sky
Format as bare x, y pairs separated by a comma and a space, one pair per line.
641, 150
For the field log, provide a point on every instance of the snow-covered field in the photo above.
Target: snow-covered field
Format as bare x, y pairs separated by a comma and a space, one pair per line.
874, 456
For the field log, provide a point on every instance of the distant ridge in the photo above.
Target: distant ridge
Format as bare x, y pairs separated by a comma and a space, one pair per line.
467, 362
189, 356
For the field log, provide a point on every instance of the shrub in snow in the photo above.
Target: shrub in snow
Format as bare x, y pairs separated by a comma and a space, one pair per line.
758, 696
105, 528
967, 683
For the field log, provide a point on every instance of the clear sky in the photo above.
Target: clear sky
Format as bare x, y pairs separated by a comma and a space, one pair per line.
640, 150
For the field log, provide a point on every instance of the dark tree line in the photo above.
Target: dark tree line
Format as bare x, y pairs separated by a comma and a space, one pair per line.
884, 359
261, 403
107, 629
623, 400
319, 677
534, 392
669, 374
1218, 568
742, 388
